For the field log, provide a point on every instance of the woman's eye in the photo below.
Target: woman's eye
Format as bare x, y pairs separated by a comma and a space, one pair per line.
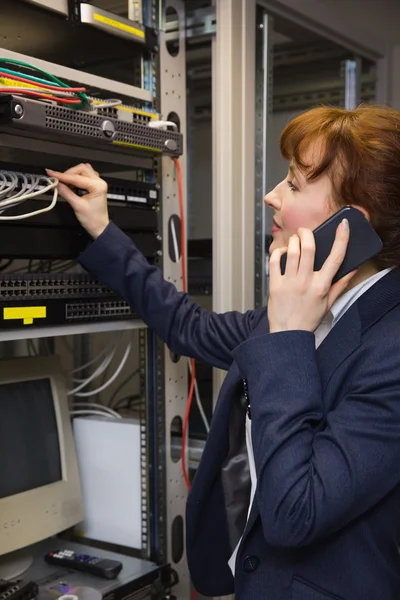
291, 185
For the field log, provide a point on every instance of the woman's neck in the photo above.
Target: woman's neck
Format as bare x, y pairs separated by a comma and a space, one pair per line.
364, 272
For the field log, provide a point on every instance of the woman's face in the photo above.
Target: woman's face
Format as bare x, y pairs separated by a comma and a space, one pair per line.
298, 203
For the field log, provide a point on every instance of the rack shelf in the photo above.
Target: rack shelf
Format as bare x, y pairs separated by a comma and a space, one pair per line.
44, 332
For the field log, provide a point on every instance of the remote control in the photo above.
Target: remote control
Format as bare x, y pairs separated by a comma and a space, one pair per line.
93, 565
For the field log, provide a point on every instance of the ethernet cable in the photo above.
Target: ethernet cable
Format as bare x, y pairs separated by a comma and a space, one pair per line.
30, 187
111, 379
94, 360
155, 124
100, 369
112, 103
43, 94
46, 79
88, 412
97, 406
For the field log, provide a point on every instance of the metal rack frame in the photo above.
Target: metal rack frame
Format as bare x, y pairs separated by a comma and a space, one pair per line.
163, 379
173, 100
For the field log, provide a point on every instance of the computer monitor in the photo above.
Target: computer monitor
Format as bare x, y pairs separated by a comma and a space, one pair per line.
40, 492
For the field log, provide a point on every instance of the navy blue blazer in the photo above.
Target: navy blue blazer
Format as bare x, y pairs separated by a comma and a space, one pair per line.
325, 522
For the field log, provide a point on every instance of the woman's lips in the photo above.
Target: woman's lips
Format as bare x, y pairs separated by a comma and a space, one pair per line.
276, 227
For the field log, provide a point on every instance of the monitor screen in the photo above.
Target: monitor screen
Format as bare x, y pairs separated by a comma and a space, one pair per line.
40, 492
29, 445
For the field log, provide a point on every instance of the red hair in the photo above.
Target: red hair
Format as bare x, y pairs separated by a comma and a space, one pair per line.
360, 152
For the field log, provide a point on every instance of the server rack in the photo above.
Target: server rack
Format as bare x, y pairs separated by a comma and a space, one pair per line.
156, 84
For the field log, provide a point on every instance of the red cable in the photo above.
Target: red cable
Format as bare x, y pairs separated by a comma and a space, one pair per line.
182, 216
41, 95
192, 362
41, 85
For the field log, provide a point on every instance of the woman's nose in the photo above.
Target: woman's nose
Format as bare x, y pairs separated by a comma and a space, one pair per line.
272, 199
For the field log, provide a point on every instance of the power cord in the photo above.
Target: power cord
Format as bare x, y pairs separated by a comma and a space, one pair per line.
192, 361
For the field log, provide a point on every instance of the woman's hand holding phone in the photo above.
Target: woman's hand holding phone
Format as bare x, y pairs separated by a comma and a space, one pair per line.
300, 298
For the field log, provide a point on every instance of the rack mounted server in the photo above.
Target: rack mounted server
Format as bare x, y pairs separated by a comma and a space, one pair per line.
24, 116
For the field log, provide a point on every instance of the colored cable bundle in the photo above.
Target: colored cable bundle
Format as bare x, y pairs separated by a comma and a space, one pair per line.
41, 85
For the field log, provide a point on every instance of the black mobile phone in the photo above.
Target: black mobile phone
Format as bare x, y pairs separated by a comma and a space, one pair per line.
364, 242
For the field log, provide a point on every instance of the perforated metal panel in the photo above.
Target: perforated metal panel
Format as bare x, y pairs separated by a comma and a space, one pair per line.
78, 116
120, 135
133, 133
73, 128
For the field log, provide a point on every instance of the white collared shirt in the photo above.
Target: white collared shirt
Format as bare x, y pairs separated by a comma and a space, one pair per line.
337, 311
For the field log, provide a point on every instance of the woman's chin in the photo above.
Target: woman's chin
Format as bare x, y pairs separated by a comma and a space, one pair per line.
276, 244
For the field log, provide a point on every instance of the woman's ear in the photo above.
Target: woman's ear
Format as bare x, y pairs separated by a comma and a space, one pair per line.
362, 209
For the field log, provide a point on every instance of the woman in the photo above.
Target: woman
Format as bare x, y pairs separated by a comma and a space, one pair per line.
309, 509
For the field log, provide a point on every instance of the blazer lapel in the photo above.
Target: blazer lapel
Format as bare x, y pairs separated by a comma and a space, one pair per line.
339, 344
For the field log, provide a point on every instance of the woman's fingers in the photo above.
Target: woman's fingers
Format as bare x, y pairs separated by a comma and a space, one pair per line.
275, 264
293, 256
83, 182
337, 254
68, 195
82, 169
307, 253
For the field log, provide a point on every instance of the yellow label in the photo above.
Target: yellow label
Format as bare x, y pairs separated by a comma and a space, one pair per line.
118, 25
135, 111
24, 313
129, 145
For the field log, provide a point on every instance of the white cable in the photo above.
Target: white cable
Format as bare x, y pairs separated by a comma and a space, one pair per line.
198, 401
17, 91
75, 413
112, 378
112, 103
51, 183
31, 348
10, 182
162, 124
96, 373
98, 406
96, 358
174, 241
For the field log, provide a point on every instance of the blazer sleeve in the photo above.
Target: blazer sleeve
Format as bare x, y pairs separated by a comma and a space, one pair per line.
313, 482
187, 329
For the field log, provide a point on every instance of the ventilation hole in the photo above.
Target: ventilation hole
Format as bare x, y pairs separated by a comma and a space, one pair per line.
177, 539
172, 19
173, 117
173, 355
174, 238
176, 432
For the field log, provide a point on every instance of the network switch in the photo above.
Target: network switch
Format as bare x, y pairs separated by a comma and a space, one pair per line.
57, 299
48, 120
